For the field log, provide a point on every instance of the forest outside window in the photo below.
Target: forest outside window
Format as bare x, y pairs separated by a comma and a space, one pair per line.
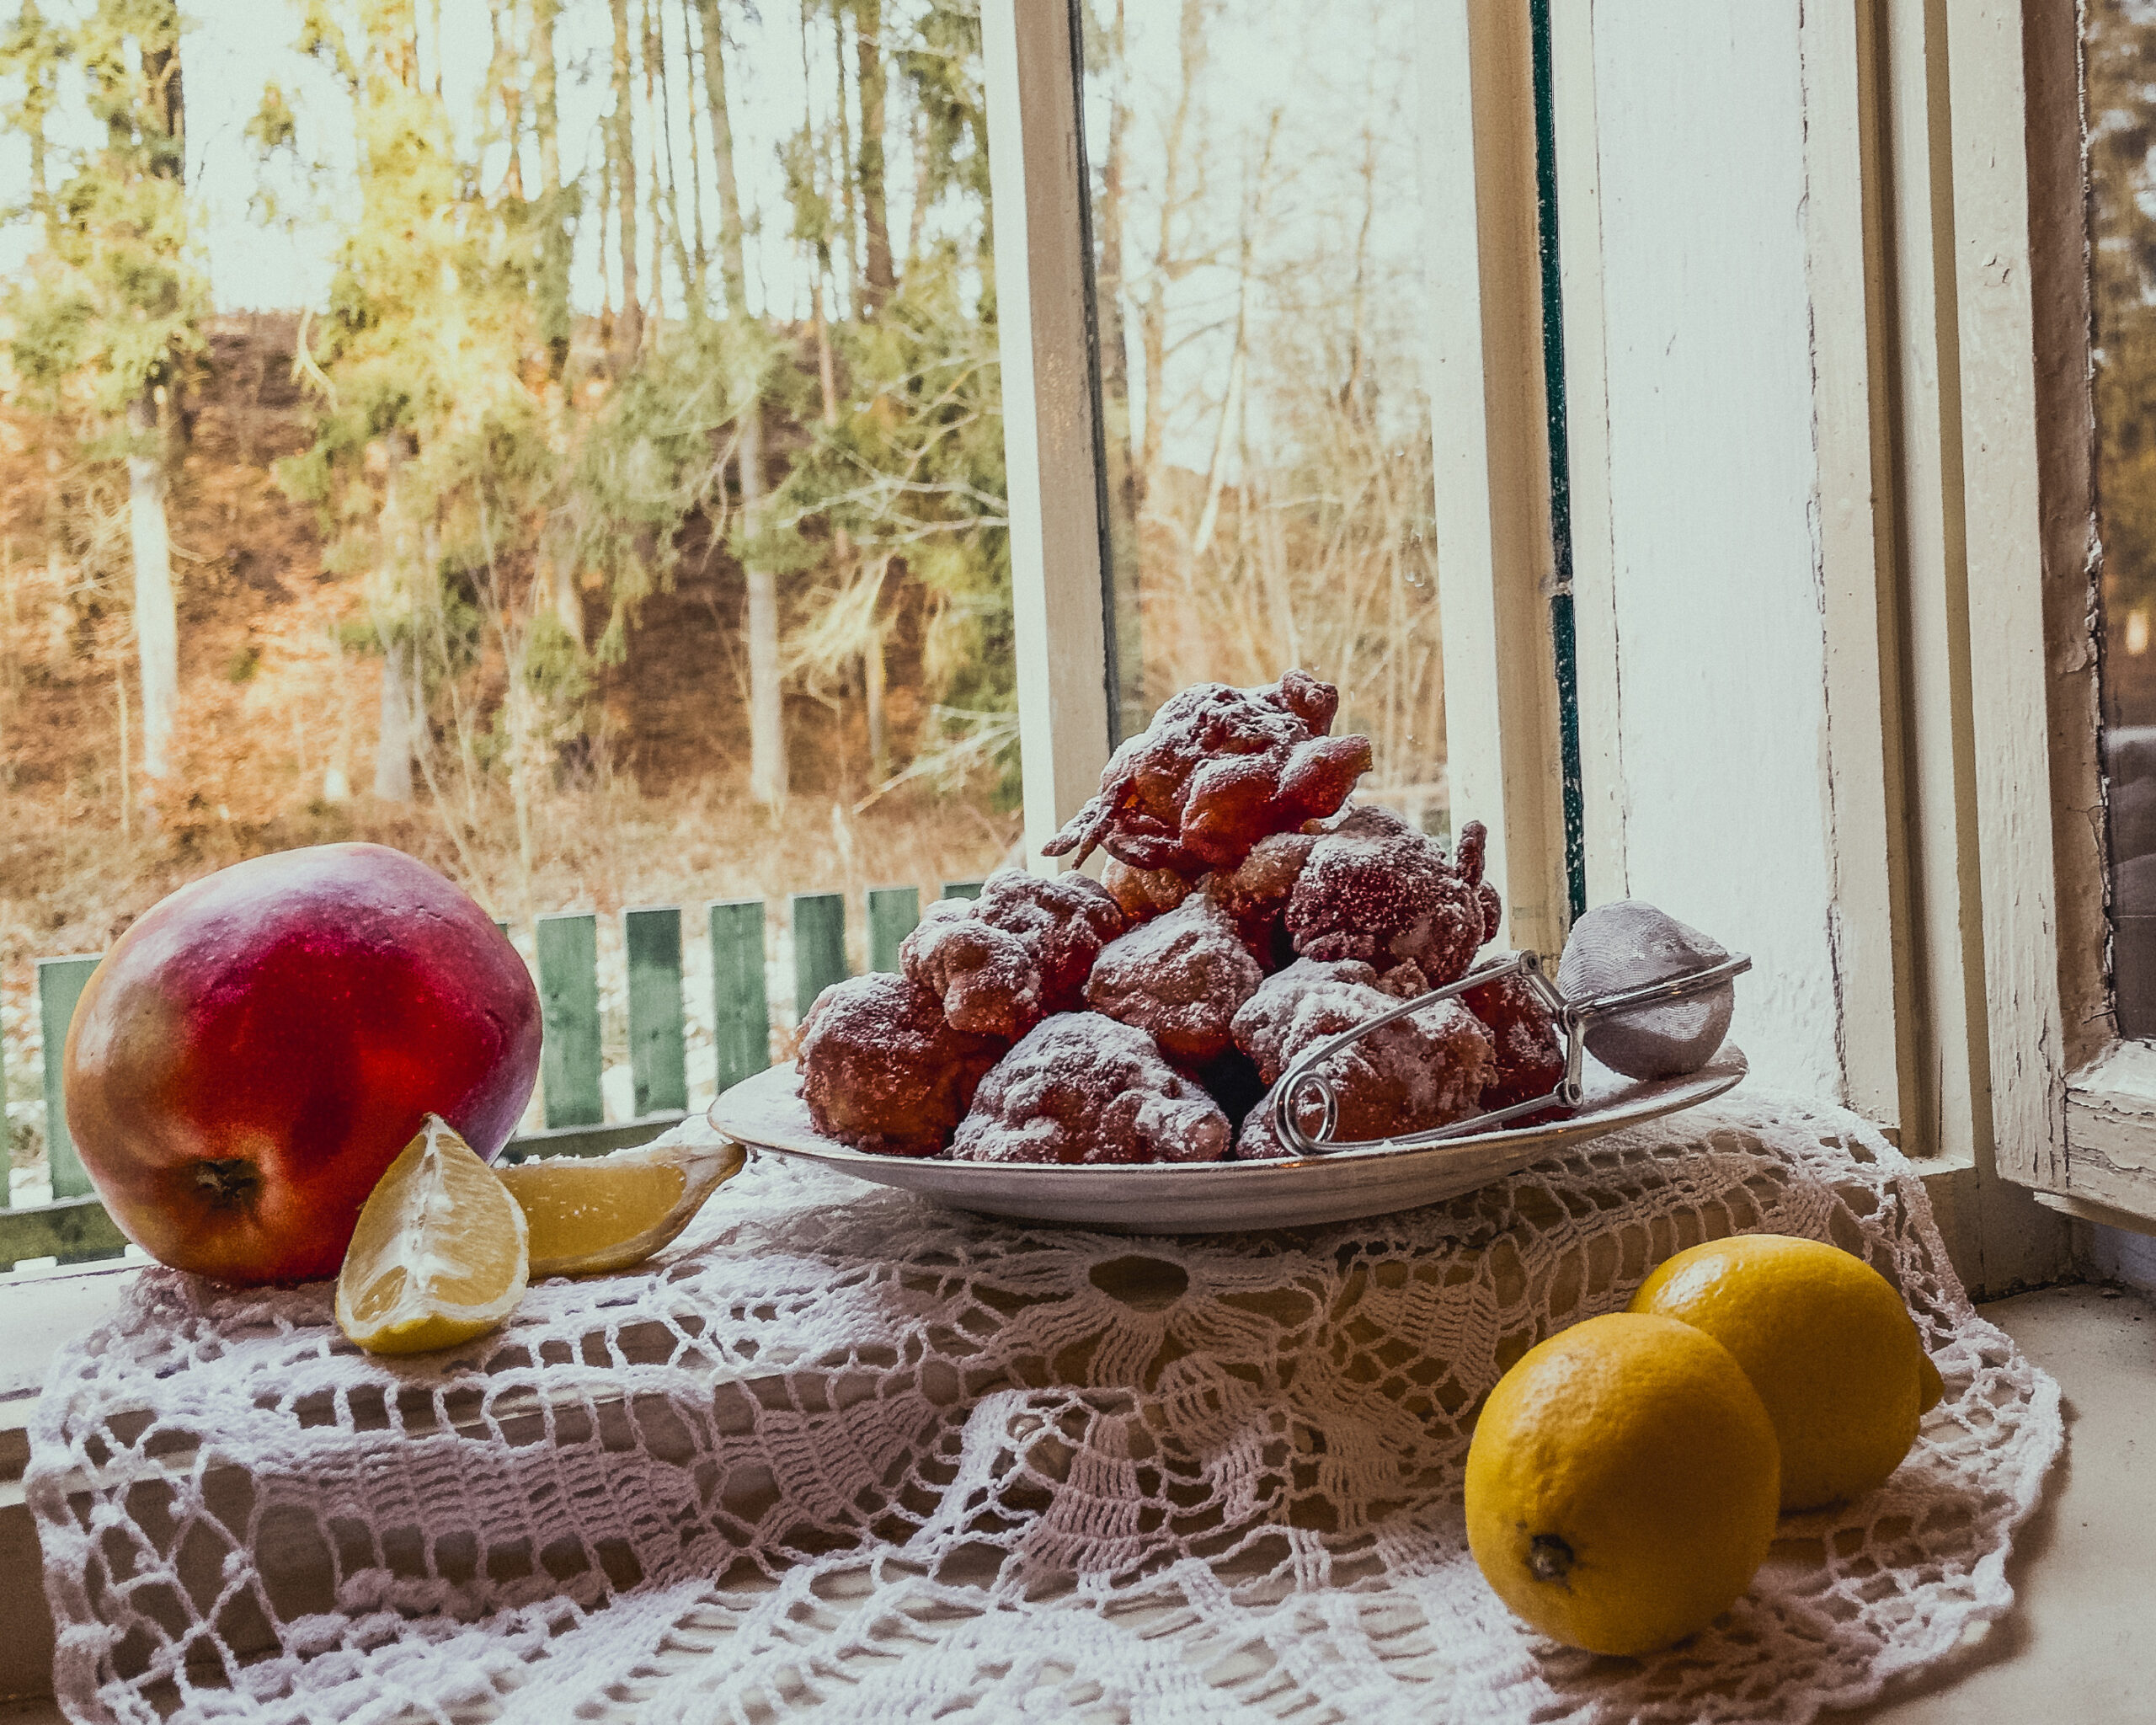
561, 437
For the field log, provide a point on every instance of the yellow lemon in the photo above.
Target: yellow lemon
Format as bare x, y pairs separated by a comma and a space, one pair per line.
1621, 1484
606, 1213
1827, 1342
439, 1255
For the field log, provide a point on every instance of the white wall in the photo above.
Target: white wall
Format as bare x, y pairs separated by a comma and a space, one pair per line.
1712, 556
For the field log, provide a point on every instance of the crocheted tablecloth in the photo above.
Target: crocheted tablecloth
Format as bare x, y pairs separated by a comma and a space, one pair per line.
843, 1453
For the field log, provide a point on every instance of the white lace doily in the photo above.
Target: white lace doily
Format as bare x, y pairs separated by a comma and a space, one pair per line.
850, 1456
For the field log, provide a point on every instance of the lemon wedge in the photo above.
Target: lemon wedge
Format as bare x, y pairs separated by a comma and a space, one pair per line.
591, 1214
439, 1255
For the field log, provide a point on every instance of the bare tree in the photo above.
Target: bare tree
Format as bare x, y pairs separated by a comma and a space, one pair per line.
880, 279
398, 733
152, 418
1168, 265
621, 156
554, 240
767, 760
849, 228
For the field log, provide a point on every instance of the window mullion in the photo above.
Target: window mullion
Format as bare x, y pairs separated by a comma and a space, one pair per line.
1050, 445
1491, 452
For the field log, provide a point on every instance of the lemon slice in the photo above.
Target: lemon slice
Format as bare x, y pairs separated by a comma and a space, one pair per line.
589, 1213
439, 1255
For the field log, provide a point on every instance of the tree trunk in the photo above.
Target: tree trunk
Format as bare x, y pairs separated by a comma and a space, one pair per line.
827, 374
879, 745
879, 279
557, 580
701, 297
1153, 312
1232, 401
690, 268
653, 80
501, 74
622, 151
767, 763
845, 167
157, 623
732, 261
917, 223
1115, 355
395, 739
554, 243
874, 692
119, 700
168, 103
397, 734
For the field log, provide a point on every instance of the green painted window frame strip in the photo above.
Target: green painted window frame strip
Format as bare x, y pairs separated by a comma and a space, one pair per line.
962, 888
1564, 634
60, 983
818, 921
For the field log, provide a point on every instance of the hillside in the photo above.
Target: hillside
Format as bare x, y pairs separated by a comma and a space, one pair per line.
278, 709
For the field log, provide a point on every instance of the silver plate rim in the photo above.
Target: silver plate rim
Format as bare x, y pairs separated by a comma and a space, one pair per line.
1183, 1196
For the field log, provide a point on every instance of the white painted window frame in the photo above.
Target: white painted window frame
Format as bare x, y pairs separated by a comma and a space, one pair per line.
1488, 424
2074, 1104
1865, 774
1958, 763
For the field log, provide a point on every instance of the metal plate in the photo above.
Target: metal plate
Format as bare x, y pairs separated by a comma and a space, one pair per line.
766, 1112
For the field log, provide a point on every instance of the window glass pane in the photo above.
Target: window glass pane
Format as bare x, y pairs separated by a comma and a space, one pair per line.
2121, 72
1257, 240
478, 575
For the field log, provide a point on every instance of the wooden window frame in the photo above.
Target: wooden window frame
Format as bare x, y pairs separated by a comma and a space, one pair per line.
1958, 759
1867, 779
2074, 1103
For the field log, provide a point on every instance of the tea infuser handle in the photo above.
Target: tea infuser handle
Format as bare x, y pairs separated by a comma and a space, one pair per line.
1303, 1082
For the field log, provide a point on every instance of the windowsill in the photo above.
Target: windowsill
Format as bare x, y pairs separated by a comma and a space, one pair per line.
2076, 1645
2111, 1107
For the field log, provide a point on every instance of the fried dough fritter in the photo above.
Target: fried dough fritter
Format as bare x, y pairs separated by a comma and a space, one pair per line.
1530, 1056
1084, 1087
1180, 978
883, 1069
1428, 1069
1375, 889
1018, 953
1219, 769
1144, 893
1255, 893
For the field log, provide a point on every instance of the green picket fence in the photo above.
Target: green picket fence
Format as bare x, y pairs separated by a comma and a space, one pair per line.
75, 1228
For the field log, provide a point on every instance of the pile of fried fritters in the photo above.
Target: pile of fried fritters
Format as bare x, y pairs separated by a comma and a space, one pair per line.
1244, 918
